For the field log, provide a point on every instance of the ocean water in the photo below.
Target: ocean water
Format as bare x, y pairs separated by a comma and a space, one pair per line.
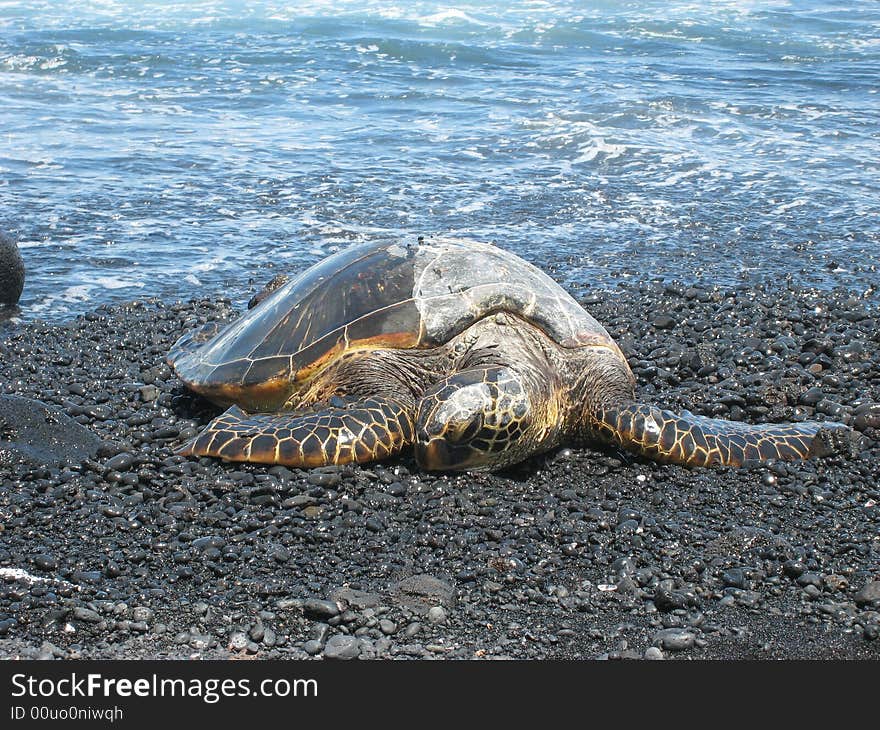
183, 149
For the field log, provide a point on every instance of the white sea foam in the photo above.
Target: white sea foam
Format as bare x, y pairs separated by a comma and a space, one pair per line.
788, 206
114, 282
564, 131
449, 15
598, 146
77, 294
470, 207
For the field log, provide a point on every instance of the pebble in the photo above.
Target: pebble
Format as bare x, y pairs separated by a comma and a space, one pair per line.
279, 553
867, 416
319, 632
342, 647
663, 321
200, 642
627, 586
238, 641
423, 591
811, 396
120, 462
324, 479
80, 613
320, 608
46, 562
623, 566
810, 579
868, 595
356, 598
6, 624
48, 651
627, 527
674, 639
312, 647
387, 627
397, 489
98, 412
670, 600
149, 393
734, 577
437, 615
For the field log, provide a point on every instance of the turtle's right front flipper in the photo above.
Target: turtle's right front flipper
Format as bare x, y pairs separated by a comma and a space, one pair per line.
701, 441
367, 431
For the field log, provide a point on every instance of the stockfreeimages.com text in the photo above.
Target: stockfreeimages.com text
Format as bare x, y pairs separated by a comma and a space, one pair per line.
209, 690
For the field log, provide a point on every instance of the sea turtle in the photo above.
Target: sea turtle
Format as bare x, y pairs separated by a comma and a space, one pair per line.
462, 350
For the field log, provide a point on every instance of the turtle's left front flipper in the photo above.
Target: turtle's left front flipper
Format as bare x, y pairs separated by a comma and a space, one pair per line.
372, 429
700, 441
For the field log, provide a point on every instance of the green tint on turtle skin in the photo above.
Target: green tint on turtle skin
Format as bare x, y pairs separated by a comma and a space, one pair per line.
462, 350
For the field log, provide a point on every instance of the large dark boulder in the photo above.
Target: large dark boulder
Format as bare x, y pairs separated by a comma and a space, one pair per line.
11, 271
36, 434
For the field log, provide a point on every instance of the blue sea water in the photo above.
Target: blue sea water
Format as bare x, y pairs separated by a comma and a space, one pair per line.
182, 149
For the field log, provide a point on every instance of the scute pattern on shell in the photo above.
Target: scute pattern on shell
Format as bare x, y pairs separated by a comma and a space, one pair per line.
376, 296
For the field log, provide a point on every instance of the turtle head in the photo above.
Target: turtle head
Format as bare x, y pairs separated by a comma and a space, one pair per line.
480, 419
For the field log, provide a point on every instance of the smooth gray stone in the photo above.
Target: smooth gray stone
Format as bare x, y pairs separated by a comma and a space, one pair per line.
41, 435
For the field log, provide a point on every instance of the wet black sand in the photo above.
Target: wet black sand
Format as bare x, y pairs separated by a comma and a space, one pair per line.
581, 553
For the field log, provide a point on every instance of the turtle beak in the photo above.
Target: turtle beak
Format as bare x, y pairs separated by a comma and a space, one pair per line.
439, 454
432, 455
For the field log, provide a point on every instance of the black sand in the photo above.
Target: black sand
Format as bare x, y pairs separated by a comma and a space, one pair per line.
580, 553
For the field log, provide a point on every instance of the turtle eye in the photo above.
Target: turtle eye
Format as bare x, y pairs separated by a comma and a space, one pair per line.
471, 428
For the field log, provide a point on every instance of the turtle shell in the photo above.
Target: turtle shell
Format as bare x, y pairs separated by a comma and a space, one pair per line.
372, 296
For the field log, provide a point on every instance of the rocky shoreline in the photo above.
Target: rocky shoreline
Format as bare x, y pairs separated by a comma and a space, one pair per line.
132, 552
